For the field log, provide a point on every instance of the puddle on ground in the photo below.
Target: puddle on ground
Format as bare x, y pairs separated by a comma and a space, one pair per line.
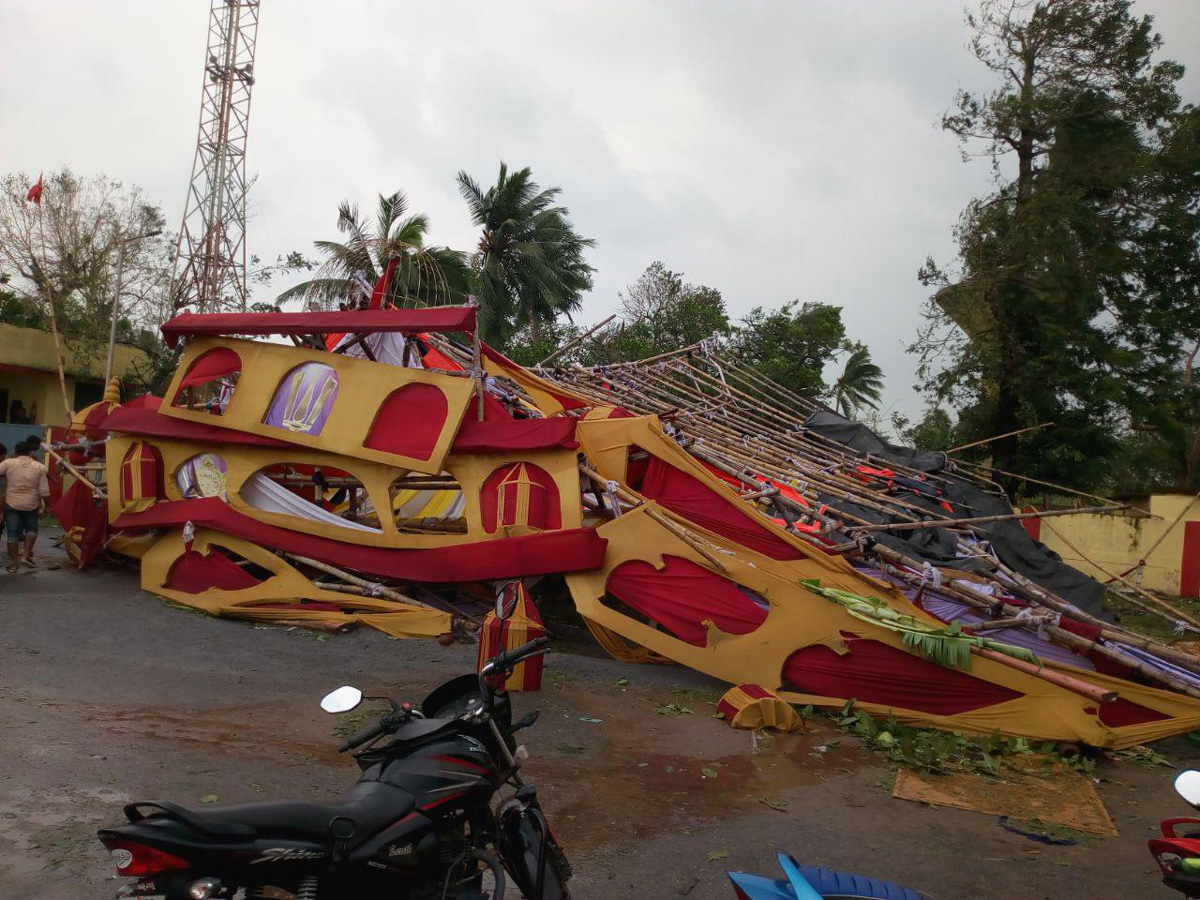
611, 785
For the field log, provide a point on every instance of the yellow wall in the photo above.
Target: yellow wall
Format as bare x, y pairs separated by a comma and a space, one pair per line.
1118, 541
31, 348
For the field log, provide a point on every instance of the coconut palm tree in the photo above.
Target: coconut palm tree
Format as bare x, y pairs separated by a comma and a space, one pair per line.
424, 276
859, 385
528, 267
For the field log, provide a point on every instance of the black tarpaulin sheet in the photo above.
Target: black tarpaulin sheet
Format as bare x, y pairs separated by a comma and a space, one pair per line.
1010, 541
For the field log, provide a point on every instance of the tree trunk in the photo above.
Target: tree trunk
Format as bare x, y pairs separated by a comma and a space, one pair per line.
534, 329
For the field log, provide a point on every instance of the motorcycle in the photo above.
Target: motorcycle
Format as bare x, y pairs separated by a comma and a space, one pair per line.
1177, 852
815, 883
424, 821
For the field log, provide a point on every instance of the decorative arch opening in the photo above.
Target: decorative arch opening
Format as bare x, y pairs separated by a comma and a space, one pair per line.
520, 498
681, 596
142, 478
409, 422
304, 399
209, 383
202, 476
313, 494
428, 504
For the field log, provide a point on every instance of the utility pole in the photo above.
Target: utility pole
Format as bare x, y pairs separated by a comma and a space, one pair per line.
210, 260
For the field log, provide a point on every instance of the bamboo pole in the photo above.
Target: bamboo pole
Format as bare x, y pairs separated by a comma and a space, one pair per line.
58, 355
1179, 614
1168, 530
979, 520
1000, 437
1057, 487
579, 340
96, 491
1075, 685
372, 588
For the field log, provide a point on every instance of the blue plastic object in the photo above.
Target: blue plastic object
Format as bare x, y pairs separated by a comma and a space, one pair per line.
821, 883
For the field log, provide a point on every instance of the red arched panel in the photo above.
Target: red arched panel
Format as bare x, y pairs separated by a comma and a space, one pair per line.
409, 422
1126, 712
682, 594
520, 494
874, 672
697, 502
195, 572
142, 475
217, 363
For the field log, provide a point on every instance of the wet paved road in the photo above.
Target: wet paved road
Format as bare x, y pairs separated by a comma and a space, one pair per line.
107, 695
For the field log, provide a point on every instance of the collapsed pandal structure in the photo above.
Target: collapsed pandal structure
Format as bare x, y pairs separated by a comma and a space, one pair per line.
376, 467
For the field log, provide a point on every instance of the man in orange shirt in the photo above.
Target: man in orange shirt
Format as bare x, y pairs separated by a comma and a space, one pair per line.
24, 495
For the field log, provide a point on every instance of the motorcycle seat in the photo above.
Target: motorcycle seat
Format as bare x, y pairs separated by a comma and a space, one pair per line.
370, 805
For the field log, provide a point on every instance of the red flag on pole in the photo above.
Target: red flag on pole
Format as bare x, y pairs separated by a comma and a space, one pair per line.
35, 192
382, 285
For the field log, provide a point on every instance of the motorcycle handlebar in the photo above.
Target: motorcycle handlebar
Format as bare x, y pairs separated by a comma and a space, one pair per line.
367, 734
512, 657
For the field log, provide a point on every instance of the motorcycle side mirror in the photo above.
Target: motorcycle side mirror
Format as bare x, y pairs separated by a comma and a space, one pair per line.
1187, 785
346, 698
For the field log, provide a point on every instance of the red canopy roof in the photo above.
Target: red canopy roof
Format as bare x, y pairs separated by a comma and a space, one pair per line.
359, 321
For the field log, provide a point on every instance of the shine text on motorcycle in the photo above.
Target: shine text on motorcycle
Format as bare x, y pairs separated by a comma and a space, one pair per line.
1187, 785
342, 700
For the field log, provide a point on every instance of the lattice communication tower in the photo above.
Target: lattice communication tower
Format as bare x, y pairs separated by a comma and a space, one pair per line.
210, 264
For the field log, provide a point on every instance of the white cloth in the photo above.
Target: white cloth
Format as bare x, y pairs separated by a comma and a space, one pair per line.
386, 346
263, 493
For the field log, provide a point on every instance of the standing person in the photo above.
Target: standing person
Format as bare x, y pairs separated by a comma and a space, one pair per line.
24, 494
3, 482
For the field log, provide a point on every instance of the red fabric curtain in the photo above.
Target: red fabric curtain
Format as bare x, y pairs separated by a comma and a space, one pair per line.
874, 672
683, 494
195, 572
214, 364
148, 422
409, 422
573, 550
682, 595
79, 511
515, 435
520, 494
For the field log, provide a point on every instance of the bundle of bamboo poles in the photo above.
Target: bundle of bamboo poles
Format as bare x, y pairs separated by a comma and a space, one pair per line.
742, 424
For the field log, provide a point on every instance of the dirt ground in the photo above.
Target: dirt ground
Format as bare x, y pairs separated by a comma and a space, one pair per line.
107, 695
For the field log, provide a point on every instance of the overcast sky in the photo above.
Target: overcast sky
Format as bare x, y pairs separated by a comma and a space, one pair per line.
775, 151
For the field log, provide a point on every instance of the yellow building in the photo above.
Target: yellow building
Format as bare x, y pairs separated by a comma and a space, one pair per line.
1119, 542
29, 373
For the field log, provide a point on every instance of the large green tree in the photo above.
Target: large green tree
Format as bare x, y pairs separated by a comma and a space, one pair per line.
424, 275
791, 345
528, 267
1072, 284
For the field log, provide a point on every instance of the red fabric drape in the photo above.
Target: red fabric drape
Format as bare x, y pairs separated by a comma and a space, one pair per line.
687, 496
216, 363
358, 321
520, 494
78, 510
515, 435
566, 400
409, 422
573, 550
682, 595
874, 672
195, 572
436, 359
1126, 712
